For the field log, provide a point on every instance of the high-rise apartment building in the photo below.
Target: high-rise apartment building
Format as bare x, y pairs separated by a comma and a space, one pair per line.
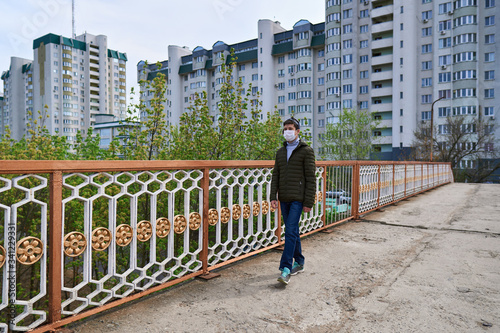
18, 96
73, 79
392, 58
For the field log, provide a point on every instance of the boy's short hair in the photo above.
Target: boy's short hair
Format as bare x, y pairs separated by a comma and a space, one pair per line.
293, 122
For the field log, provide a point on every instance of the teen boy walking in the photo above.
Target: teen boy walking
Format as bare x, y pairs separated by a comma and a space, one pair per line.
294, 183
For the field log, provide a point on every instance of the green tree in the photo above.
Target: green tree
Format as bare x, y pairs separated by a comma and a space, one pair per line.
38, 144
146, 138
231, 134
349, 138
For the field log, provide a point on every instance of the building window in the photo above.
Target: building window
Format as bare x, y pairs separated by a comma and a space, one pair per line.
444, 25
302, 35
489, 75
347, 13
445, 8
347, 28
490, 56
363, 89
426, 65
348, 44
444, 112
363, 59
489, 93
363, 74
426, 32
489, 3
321, 81
347, 88
347, 74
444, 42
426, 99
347, 103
363, 28
363, 13
446, 94
489, 20
427, 15
426, 48
445, 60
426, 115
489, 39
321, 53
347, 59
427, 82
255, 64
281, 59
489, 111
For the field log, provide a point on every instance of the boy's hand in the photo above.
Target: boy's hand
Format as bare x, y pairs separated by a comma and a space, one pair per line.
274, 204
306, 209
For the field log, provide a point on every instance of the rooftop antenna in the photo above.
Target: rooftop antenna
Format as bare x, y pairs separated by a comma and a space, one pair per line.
73, 17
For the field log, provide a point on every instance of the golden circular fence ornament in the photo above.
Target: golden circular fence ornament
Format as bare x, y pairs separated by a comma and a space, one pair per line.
144, 231
213, 216
225, 215
272, 209
180, 224
320, 196
236, 212
101, 238
256, 208
265, 207
246, 211
124, 234
194, 221
3, 256
29, 250
74, 244
162, 227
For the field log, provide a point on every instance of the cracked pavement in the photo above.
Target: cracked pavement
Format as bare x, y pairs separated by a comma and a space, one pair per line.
429, 264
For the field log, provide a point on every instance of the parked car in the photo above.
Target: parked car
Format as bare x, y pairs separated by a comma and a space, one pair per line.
340, 196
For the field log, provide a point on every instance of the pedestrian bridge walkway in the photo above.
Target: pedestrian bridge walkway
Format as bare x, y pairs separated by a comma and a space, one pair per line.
429, 264
83, 237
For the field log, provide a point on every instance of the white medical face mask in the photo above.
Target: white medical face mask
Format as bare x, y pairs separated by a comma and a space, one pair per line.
289, 135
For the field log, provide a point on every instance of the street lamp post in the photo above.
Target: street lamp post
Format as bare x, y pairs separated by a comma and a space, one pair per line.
432, 122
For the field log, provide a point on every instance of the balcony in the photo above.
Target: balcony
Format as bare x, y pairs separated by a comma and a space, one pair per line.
383, 107
382, 140
381, 27
382, 11
381, 76
380, 60
382, 43
378, 92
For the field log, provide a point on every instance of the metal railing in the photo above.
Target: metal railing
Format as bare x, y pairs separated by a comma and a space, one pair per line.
80, 237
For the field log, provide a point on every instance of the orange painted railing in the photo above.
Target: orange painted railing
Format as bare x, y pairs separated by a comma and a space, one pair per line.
98, 234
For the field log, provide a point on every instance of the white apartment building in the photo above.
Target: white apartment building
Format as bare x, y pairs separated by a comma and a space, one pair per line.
17, 96
75, 78
392, 58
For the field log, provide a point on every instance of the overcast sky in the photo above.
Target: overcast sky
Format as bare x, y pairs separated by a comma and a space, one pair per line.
144, 29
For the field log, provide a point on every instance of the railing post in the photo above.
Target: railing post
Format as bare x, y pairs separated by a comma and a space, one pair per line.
378, 186
323, 191
55, 246
205, 186
355, 190
406, 165
393, 179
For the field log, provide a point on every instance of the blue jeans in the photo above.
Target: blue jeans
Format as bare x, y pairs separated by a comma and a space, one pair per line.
291, 212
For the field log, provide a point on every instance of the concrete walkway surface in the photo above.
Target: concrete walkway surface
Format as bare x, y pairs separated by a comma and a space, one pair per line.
429, 264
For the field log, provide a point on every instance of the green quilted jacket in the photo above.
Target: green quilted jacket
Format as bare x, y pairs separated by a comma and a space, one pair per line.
294, 180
